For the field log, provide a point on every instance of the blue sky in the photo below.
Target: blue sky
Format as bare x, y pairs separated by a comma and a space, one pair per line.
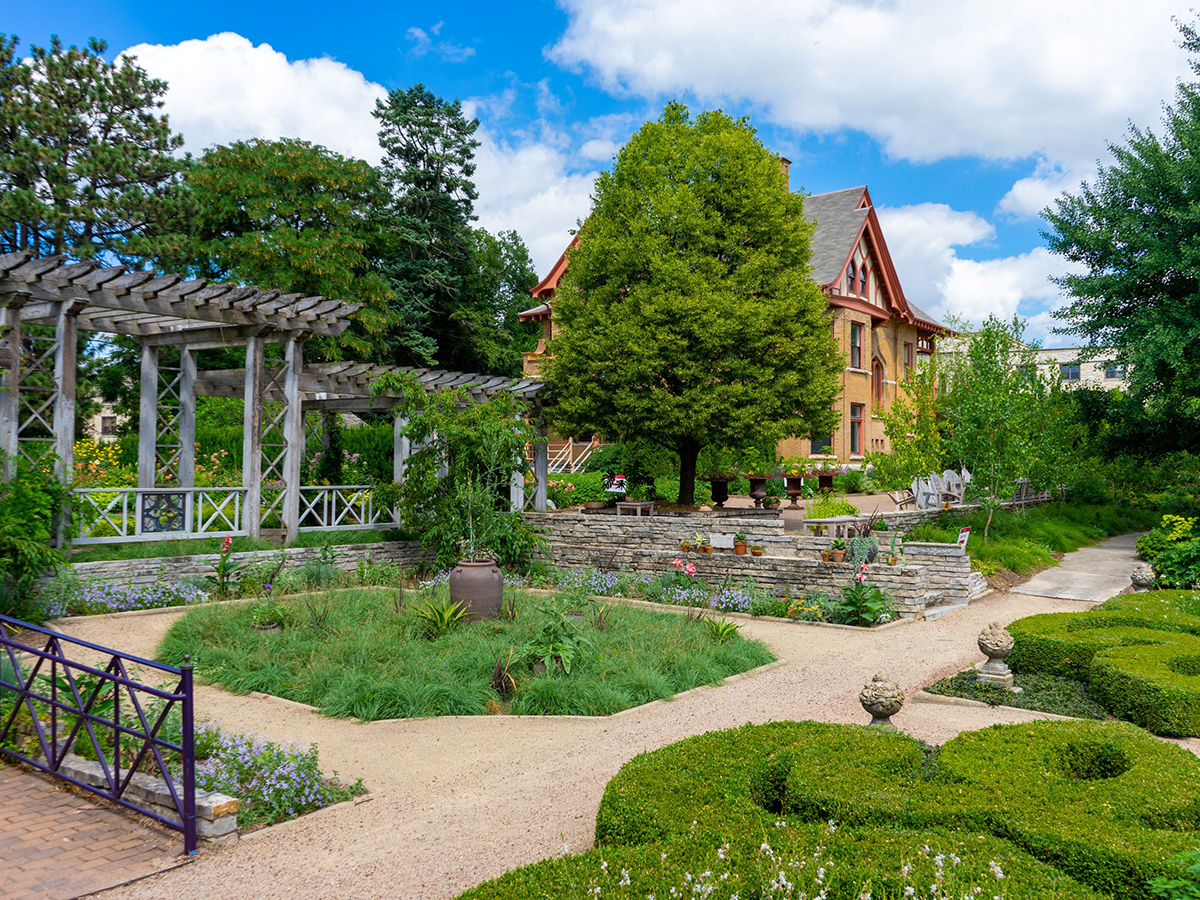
964, 119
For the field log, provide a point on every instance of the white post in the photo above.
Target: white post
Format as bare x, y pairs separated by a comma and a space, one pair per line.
252, 437
293, 435
541, 468
401, 448
66, 349
516, 491
10, 380
187, 417
148, 423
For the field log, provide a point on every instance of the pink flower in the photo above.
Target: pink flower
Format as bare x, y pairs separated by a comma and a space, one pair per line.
691, 569
678, 564
226, 544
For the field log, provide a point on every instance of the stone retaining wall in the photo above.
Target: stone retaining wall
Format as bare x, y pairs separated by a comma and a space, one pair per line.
934, 574
407, 554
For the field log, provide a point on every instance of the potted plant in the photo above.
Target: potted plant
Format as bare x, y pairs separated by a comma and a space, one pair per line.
824, 556
824, 471
756, 550
739, 543
700, 543
685, 546
770, 503
794, 470
837, 549
477, 582
894, 558
268, 616
759, 467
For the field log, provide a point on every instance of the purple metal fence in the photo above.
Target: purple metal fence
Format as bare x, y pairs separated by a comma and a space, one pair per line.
68, 699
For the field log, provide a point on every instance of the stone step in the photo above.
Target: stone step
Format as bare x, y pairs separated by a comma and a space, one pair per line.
933, 613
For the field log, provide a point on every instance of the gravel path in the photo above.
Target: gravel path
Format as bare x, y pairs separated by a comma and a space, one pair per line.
460, 800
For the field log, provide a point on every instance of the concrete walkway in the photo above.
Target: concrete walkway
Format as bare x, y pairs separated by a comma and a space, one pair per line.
1092, 574
461, 800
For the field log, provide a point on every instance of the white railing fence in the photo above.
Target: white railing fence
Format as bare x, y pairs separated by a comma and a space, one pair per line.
112, 515
343, 507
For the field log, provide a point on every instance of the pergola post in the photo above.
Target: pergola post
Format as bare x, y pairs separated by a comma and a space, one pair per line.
401, 448
252, 437
187, 417
66, 333
10, 380
293, 434
148, 421
541, 467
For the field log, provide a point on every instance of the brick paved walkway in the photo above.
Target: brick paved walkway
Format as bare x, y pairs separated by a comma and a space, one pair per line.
56, 844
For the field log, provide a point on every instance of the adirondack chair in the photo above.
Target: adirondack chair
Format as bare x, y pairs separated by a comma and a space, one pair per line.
903, 498
925, 493
954, 489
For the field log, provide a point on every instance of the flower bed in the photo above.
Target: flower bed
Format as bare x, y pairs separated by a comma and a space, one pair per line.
99, 598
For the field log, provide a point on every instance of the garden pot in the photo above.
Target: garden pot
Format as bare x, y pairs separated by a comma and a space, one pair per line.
758, 490
825, 482
756, 553
739, 547
795, 489
838, 555
708, 548
825, 556
720, 491
594, 504
479, 585
269, 628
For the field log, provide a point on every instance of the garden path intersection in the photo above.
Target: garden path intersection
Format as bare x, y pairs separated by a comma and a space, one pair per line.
459, 800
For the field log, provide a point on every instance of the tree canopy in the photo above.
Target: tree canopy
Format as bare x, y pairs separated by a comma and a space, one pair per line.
687, 315
1135, 231
87, 162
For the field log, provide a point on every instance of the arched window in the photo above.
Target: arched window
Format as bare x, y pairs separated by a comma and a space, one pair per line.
862, 280
877, 381
850, 278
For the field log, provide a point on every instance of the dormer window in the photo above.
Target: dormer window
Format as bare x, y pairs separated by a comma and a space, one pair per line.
851, 273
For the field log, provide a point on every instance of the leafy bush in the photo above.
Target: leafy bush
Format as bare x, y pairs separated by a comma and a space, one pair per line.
1047, 809
826, 505
862, 604
438, 618
1178, 566
1172, 530
32, 504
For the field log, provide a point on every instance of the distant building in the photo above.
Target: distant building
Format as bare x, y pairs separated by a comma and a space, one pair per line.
1098, 370
102, 426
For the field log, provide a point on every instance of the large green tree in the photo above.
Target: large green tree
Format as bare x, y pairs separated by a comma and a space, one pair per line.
1136, 232
291, 216
446, 278
87, 162
687, 315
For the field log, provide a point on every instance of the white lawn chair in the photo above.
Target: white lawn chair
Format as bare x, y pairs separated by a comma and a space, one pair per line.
953, 487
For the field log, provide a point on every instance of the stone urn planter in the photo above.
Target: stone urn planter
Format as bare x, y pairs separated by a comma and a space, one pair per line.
996, 643
720, 491
758, 489
795, 490
824, 482
882, 698
478, 584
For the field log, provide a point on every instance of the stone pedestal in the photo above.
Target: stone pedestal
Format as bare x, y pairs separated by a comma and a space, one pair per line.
996, 643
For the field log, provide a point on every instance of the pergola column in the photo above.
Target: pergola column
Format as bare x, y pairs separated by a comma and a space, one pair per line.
10, 380
148, 419
541, 467
401, 448
293, 433
252, 437
187, 417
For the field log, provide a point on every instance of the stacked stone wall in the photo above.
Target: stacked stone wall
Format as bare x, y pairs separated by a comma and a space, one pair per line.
406, 554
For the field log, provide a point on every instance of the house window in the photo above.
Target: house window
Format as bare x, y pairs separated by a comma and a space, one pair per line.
862, 281
850, 276
821, 446
108, 425
1069, 372
855, 346
1114, 371
877, 381
908, 358
856, 423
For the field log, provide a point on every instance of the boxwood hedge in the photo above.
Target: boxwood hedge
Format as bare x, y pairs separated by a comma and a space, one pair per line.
1063, 809
1138, 653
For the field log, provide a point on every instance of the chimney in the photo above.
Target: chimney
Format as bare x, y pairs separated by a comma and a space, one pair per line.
785, 164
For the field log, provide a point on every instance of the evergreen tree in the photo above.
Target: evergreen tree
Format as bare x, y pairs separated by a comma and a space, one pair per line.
86, 158
687, 316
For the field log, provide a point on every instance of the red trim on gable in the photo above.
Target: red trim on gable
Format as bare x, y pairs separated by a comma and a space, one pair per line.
546, 287
858, 305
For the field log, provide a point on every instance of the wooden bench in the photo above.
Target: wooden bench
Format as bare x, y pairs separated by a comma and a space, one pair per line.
635, 508
835, 526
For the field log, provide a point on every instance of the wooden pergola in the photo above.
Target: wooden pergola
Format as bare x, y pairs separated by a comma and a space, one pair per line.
38, 383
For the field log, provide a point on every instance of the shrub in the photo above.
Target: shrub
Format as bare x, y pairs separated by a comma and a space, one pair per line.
1172, 530
1178, 566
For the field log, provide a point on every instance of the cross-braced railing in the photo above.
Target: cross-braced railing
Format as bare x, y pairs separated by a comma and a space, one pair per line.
108, 515
342, 508
60, 695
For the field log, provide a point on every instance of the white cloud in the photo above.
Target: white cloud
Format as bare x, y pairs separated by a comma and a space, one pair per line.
928, 78
225, 88
1029, 196
422, 44
925, 241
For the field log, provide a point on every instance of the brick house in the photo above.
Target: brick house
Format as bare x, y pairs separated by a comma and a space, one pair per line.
882, 335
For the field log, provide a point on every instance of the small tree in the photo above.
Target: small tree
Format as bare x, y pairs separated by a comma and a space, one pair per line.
687, 316
913, 427
993, 398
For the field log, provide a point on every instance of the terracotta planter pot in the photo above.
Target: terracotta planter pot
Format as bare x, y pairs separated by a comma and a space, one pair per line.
838, 555
795, 489
739, 547
825, 556
758, 490
720, 491
708, 548
756, 553
479, 585
594, 504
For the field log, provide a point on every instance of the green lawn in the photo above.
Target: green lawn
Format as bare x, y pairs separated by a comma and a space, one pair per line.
359, 653
1025, 542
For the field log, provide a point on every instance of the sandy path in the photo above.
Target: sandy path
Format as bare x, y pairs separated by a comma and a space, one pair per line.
461, 800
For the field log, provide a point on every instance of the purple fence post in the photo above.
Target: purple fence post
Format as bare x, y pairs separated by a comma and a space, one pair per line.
189, 758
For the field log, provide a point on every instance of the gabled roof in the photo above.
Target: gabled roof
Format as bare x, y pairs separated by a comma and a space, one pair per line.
840, 220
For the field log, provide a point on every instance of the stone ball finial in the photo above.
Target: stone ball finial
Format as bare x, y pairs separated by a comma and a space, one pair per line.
1142, 576
995, 642
882, 698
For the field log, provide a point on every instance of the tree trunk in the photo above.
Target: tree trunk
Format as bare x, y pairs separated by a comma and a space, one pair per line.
688, 449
